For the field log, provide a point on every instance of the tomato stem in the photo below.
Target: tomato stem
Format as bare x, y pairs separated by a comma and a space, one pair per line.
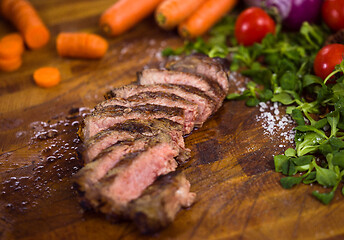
330, 75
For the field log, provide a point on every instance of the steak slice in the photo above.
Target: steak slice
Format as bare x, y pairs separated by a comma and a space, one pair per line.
202, 65
131, 129
156, 76
205, 104
156, 98
134, 173
106, 117
160, 202
105, 160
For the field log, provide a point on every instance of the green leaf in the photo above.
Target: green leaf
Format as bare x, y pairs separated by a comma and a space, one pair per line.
289, 182
298, 117
320, 124
232, 96
251, 102
260, 76
338, 159
307, 143
283, 98
279, 160
310, 178
339, 106
265, 95
289, 81
308, 128
309, 79
325, 198
288, 168
338, 90
303, 160
333, 119
336, 143
312, 34
325, 148
325, 177
324, 94
291, 168
290, 152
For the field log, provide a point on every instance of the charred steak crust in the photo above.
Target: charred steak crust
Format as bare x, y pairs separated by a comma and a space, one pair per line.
136, 127
159, 76
205, 104
211, 68
105, 117
149, 97
158, 99
133, 128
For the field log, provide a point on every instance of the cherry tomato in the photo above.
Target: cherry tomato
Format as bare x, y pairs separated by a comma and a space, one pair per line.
327, 58
333, 14
252, 25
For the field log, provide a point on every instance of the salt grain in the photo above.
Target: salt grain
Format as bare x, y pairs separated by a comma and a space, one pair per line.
275, 125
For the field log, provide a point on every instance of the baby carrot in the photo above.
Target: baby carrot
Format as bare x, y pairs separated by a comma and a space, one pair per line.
205, 17
47, 77
11, 45
81, 45
172, 12
10, 64
25, 18
124, 14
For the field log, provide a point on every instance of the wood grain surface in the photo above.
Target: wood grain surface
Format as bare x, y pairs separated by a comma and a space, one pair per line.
231, 167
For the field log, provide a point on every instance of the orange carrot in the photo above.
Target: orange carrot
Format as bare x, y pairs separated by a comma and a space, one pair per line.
25, 18
205, 17
124, 14
81, 45
10, 64
11, 45
47, 77
172, 12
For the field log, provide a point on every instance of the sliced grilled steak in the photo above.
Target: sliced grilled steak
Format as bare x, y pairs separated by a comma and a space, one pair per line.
132, 129
105, 160
135, 172
156, 98
106, 117
202, 65
160, 202
205, 104
158, 76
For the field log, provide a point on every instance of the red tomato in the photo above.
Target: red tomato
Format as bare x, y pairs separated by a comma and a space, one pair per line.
333, 14
327, 58
252, 25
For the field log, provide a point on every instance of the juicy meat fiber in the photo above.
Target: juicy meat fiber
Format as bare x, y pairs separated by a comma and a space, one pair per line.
205, 104
110, 115
158, 76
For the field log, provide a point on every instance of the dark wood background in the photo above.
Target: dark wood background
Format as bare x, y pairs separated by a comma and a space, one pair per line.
231, 168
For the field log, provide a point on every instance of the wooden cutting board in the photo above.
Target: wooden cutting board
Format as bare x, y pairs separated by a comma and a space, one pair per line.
231, 168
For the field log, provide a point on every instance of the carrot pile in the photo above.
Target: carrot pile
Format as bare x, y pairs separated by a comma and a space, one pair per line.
192, 18
26, 19
11, 49
204, 17
124, 14
170, 13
